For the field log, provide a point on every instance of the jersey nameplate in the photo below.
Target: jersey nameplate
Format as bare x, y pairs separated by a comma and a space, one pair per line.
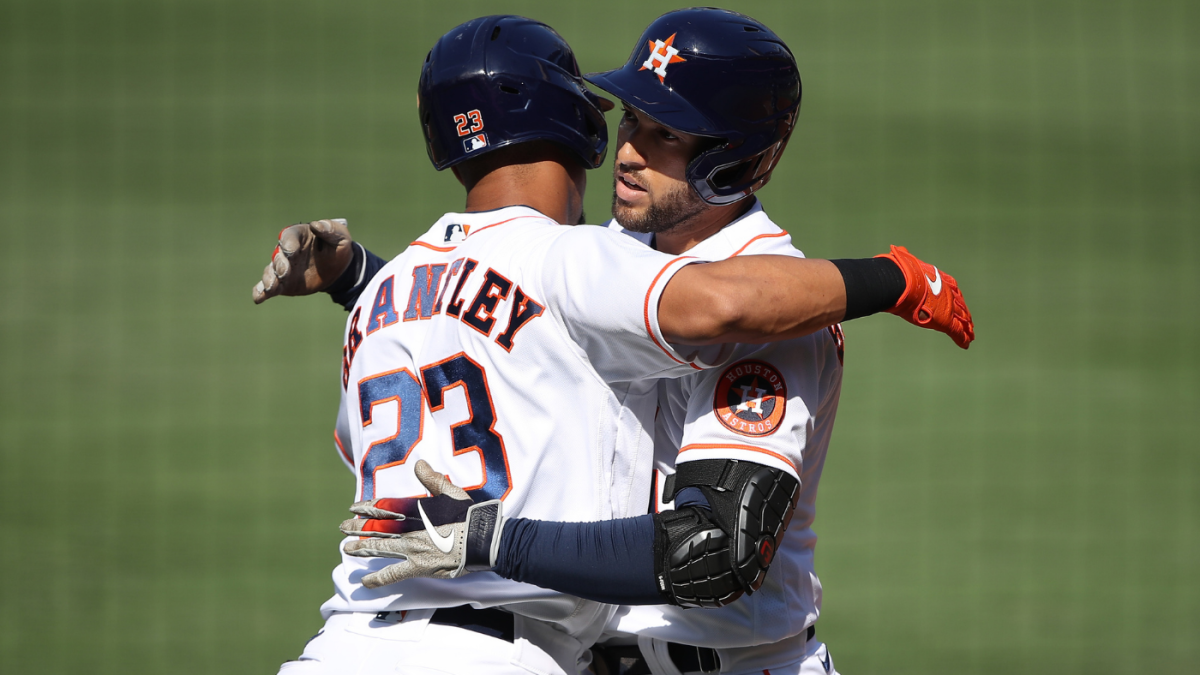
427, 293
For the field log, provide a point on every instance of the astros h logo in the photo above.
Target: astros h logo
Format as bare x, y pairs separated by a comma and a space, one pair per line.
662, 54
750, 398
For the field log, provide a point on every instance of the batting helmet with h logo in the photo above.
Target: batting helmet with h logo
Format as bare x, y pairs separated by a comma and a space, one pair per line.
716, 73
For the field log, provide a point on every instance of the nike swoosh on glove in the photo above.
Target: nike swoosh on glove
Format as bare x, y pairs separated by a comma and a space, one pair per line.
443, 536
931, 298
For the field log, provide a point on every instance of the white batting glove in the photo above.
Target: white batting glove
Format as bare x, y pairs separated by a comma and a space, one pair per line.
442, 536
308, 258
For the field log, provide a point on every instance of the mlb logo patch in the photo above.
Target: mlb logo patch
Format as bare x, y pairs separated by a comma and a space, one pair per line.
475, 142
456, 232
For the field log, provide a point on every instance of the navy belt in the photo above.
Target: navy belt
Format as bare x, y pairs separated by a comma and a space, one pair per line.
492, 622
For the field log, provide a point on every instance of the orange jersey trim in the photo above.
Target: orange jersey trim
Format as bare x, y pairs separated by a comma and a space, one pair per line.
646, 313
338, 442
447, 249
761, 236
735, 446
436, 248
477, 230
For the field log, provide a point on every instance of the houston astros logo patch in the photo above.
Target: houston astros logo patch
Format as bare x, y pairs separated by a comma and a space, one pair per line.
751, 398
662, 54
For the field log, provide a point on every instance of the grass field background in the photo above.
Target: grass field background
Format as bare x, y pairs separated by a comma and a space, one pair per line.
169, 494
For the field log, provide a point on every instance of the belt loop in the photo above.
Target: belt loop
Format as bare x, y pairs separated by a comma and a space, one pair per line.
657, 657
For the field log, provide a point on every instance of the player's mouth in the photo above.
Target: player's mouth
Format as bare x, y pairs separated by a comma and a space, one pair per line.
627, 187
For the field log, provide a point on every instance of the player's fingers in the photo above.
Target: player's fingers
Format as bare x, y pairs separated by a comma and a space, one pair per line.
389, 575
374, 527
332, 231
280, 265
386, 508
436, 483
291, 239
263, 290
269, 280
961, 302
267, 287
964, 315
377, 548
421, 559
393, 507
962, 333
429, 478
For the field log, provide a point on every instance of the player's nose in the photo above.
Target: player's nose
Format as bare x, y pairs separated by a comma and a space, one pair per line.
628, 156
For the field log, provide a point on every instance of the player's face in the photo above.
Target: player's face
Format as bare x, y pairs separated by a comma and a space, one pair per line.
650, 191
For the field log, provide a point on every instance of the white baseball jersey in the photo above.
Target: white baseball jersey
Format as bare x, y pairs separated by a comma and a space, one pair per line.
519, 357
774, 405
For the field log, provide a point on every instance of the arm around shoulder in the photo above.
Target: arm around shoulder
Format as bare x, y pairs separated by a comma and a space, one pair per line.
751, 299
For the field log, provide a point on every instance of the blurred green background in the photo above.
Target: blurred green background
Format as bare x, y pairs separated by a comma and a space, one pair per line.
169, 493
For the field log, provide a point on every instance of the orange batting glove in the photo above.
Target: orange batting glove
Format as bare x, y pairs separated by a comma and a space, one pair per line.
931, 298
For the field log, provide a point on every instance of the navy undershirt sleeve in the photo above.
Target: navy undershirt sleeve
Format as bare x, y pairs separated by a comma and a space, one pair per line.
608, 561
363, 266
691, 496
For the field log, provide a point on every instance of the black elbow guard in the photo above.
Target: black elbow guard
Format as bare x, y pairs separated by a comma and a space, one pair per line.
709, 558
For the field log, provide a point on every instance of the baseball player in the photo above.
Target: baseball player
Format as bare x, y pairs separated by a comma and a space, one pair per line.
756, 429
565, 329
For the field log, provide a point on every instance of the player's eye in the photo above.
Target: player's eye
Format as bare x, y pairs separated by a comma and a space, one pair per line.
627, 116
667, 135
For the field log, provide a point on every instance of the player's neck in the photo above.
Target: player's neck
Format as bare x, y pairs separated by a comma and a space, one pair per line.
690, 232
551, 187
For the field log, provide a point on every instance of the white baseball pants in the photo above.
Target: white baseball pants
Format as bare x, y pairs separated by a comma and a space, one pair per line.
794, 656
353, 643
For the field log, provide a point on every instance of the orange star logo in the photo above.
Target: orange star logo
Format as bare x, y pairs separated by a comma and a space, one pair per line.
662, 54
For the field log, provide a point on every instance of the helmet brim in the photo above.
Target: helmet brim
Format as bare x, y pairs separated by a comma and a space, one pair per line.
641, 91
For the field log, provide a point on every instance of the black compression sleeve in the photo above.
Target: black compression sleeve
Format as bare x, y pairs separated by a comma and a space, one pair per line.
872, 285
363, 266
608, 561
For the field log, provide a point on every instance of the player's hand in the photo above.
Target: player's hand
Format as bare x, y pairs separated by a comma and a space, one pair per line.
308, 258
931, 298
465, 536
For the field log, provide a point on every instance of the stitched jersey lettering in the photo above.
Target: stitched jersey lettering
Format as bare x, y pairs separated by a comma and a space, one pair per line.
431, 282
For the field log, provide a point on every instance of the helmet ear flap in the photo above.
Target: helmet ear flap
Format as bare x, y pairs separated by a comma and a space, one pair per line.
725, 183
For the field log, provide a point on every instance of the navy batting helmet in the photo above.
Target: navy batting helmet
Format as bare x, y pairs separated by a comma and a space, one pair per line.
500, 80
713, 72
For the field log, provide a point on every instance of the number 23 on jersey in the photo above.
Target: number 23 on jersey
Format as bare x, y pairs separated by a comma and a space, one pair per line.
475, 434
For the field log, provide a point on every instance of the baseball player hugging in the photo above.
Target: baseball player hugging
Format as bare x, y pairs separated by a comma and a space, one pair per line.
510, 385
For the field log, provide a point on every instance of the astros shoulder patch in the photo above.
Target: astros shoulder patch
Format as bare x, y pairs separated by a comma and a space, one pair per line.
751, 398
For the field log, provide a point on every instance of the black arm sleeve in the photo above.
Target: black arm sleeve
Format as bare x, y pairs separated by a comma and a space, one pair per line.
872, 285
363, 266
